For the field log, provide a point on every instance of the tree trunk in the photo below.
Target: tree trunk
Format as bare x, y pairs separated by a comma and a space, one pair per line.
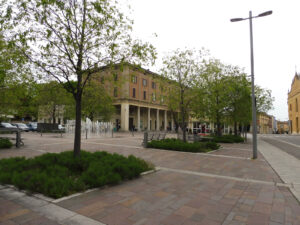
53, 114
174, 114
183, 127
219, 131
235, 128
77, 140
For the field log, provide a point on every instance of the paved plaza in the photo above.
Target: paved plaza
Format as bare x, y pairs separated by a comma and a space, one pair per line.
222, 187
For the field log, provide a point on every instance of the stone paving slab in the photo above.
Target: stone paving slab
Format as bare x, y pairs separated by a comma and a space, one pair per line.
168, 197
223, 187
19, 208
286, 165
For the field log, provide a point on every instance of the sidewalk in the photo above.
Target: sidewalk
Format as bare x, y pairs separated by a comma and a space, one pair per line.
285, 165
224, 187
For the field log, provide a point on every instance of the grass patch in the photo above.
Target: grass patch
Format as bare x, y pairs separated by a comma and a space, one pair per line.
58, 175
179, 145
5, 143
228, 139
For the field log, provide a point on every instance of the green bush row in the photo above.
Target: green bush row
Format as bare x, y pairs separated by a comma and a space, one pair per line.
228, 139
58, 175
179, 145
5, 143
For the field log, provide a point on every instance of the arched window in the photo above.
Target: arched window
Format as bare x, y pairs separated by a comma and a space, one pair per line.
296, 105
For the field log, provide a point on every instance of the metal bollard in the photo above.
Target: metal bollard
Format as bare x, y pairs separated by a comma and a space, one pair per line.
18, 139
145, 139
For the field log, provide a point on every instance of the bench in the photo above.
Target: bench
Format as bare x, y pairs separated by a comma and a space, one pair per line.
49, 128
150, 136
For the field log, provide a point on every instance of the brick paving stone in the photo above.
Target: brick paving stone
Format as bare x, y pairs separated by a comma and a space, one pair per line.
262, 208
278, 217
185, 211
197, 217
258, 218
173, 220
156, 198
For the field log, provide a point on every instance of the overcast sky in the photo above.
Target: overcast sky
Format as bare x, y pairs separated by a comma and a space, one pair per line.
206, 23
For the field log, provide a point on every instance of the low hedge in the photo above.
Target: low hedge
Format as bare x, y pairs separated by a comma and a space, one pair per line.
5, 143
228, 139
179, 145
58, 175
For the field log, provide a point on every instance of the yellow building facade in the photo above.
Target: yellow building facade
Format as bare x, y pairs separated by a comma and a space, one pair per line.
293, 105
139, 97
264, 123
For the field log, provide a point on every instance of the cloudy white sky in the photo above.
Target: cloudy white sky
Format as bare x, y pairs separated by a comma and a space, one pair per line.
206, 23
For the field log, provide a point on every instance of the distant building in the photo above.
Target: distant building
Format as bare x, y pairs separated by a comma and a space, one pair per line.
283, 127
265, 123
293, 105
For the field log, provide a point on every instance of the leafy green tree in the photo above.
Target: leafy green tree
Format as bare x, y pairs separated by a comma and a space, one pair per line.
52, 99
96, 103
67, 40
264, 99
182, 66
212, 93
238, 107
15, 79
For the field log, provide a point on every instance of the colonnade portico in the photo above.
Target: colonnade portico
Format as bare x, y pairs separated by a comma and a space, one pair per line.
140, 118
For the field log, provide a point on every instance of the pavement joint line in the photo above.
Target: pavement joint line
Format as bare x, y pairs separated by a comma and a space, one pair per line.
241, 149
101, 143
58, 143
47, 209
227, 156
95, 189
247, 180
198, 153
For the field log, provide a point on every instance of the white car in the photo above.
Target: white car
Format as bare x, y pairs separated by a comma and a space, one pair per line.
61, 127
7, 125
22, 126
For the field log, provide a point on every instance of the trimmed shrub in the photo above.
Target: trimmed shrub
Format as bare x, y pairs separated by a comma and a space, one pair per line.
228, 139
5, 143
58, 175
179, 145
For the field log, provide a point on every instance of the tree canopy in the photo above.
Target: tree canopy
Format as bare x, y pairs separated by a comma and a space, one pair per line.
68, 40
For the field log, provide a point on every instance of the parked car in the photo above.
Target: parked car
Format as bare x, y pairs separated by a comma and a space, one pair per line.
32, 126
22, 126
7, 125
61, 127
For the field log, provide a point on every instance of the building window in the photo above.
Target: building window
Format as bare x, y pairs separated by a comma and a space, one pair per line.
145, 95
144, 82
133, 92
290, 107
162, 99
296, 105
153, 85
134, 79
115, 92
115, 77
153, 97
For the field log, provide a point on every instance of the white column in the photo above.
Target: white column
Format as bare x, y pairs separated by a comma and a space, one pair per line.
157, 119
139, 118
124, 116
148, 128
166, 121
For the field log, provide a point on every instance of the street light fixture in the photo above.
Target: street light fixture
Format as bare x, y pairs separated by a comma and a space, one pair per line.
254, 125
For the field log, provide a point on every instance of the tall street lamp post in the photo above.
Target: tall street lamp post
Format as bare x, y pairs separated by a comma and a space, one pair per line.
254, 125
